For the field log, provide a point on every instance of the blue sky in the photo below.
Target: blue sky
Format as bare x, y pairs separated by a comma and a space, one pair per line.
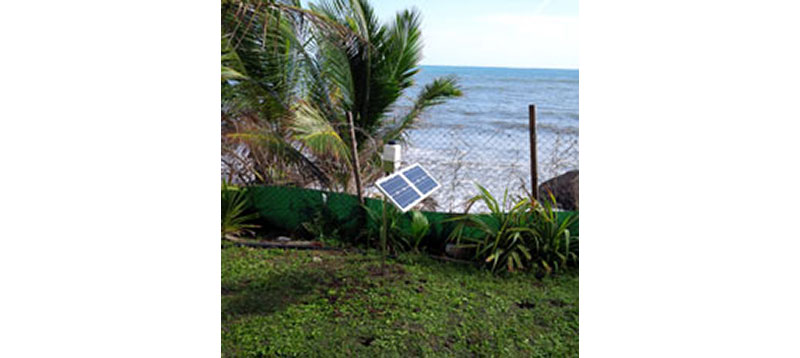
503, 33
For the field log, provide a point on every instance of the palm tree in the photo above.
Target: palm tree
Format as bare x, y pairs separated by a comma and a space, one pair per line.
291, 76
262, 76
372, 75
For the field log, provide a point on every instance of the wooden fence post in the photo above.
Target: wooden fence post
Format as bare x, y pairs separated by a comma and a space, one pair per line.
534, 168
354, 152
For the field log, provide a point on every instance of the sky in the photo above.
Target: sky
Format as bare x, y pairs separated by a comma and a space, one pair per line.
501, 33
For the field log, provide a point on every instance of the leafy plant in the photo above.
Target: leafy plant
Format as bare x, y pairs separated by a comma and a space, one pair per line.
418, 229
519, 235
396, 238
405, 231
323, 225
553, 245
235, 216
501, 237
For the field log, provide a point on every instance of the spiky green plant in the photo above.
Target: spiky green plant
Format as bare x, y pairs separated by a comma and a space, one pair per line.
518, 235
553, 246
499, 238
236, 220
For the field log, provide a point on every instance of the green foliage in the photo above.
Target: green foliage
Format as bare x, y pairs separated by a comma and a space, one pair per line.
231, 64
324, 225
553, 245
517, 235
283, 303
235, 216
504, 233
311, 128
405, 231
418, 229
397, 240
432, 94
372, 74
290, 76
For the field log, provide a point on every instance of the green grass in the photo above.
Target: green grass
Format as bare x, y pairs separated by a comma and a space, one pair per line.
278, 303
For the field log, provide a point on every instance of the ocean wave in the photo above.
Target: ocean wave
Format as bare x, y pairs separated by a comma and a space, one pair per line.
557, 114
554, 128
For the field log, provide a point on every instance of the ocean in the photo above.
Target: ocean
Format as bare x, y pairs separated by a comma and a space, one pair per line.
483, 137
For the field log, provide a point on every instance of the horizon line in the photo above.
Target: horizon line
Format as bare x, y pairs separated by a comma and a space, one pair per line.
509, 67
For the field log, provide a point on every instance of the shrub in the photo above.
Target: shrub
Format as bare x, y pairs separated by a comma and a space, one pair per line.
553, 246
405, 231
235, 218
517, 234
501, 237
324, 225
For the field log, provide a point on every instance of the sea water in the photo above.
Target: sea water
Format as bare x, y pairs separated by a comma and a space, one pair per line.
483, 136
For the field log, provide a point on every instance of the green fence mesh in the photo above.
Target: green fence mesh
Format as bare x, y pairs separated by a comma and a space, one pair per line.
287, 208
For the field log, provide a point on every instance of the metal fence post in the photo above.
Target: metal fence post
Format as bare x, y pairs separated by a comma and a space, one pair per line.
534, 169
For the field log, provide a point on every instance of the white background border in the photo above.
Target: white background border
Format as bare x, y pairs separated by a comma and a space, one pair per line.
110, 145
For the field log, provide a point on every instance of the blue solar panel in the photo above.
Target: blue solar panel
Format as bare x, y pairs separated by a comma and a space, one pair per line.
408, 187
399, 190
424, 183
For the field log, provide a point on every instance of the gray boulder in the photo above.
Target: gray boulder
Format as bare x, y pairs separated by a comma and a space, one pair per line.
565, 189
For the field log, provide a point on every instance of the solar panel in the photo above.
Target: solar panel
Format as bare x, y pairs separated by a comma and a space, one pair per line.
420, 178
399, 190
407, 187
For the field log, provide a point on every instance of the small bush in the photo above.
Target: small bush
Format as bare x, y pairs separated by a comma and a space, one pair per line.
323, 226
517, 235
502, 236
405, 231
553, 246
235, 216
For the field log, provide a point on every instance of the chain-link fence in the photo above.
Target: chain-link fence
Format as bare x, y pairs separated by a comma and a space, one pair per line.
496, 156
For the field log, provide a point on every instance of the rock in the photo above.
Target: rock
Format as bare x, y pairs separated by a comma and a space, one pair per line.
565, 189
283, 238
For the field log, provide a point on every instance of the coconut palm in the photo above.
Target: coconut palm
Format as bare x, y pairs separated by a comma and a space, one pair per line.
371, 76
291, 76
262, 83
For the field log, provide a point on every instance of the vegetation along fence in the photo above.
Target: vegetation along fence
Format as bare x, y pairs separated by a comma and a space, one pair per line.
296, 210
497, 157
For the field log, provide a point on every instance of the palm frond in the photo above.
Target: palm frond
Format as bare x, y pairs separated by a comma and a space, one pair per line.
432, 94
404, 47
278, 145
232, 68
312, 129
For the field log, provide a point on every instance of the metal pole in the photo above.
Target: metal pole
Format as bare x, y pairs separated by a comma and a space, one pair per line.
534, 172
384, 233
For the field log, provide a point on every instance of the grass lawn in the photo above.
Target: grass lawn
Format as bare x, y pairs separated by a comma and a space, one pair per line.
286, 303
